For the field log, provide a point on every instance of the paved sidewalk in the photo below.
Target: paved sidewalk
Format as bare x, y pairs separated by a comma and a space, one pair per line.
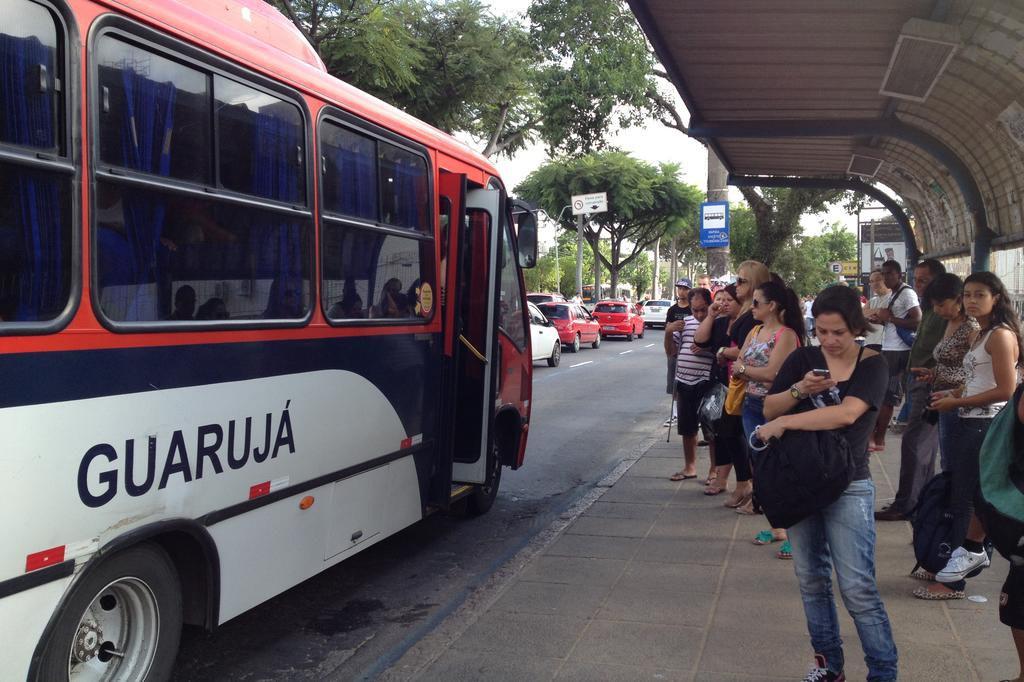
657, 581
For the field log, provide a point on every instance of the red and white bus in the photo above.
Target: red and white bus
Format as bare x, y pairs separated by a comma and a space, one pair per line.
252, 321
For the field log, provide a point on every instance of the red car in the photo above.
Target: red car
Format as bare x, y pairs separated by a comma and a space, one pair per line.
619, 319
574, 324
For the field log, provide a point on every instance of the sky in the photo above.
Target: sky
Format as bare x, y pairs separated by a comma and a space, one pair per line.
653, 143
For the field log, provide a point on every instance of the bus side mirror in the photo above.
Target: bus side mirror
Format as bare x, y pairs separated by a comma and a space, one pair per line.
526, 233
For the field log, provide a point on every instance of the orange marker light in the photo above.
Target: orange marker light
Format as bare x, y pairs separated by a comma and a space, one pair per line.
307, 502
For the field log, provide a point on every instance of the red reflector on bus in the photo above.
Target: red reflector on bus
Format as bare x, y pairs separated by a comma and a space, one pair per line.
48, 557
406, 443
259, 490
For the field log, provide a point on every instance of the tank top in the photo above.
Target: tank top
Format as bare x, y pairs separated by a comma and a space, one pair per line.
980, 378
757, 355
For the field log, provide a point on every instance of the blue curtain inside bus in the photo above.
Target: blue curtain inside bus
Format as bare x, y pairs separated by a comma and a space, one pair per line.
26, 96
353, 174
407, 212
276, 241
132, 253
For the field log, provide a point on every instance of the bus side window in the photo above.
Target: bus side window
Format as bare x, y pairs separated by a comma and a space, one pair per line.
35, 214
163, 254
376, 275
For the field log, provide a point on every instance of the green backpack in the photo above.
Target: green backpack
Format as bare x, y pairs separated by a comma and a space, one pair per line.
1002, 479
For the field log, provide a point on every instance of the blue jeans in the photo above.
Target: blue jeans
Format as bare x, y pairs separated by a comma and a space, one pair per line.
843, 535
947, 422
968, 435
753, 414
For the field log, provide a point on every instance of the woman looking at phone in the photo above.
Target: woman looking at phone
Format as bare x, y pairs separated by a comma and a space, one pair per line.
990, 367
849, 383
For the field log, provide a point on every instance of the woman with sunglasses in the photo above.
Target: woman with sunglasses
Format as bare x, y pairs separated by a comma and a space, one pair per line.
780, 332
750, 275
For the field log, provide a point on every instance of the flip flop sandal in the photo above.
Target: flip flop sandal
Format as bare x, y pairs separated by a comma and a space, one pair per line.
680, 476
712, 490
785, 551
765, 537
710, 479
928, 595
921, 574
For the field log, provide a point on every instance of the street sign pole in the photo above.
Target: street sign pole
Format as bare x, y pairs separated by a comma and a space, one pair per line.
579, 254
584, 205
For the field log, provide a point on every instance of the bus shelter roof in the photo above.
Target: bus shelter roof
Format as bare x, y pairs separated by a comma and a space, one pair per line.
925, 97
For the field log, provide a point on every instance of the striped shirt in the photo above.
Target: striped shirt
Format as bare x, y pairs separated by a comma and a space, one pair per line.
691, 368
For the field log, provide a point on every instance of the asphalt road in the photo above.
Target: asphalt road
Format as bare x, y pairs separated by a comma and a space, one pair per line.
352, 621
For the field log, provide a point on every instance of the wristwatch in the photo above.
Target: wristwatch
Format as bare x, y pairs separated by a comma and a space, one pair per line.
741, 369
795, 392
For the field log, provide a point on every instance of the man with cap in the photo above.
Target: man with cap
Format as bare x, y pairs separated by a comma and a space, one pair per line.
679, 310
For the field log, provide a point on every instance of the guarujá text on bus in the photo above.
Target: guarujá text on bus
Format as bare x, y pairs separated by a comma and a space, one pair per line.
101, 462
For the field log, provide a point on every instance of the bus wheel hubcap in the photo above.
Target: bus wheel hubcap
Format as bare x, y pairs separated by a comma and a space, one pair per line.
117, 635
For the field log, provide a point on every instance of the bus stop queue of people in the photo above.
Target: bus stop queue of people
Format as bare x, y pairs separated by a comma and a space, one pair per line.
959, 370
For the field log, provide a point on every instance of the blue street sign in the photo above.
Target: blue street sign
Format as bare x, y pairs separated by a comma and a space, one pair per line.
714, 224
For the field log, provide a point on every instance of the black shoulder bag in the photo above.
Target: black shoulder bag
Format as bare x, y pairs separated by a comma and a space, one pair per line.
803, 471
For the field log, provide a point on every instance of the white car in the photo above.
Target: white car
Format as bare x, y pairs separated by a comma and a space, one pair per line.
655, 311
544, 338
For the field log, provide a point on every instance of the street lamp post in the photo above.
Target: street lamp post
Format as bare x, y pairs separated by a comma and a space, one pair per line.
558, 270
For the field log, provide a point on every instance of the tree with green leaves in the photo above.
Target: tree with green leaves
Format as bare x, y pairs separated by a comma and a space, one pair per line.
453, 64
597, 71
644, 201
777, 212
803, 262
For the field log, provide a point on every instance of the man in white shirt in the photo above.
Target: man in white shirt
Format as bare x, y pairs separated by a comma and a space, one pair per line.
902, 310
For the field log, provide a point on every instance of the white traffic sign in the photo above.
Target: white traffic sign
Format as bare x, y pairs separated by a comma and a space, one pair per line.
835, 268
590, 203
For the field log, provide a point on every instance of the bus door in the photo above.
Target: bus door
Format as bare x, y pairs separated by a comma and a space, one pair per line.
475, 351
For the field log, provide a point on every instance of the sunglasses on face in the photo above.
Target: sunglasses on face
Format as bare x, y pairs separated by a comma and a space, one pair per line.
740, 280
756, 303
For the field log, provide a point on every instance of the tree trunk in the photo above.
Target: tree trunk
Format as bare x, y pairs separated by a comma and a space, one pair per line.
614, 274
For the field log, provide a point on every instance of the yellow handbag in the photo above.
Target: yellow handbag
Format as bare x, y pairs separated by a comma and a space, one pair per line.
734, 398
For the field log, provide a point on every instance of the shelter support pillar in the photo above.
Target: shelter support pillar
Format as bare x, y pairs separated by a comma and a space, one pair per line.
718, 190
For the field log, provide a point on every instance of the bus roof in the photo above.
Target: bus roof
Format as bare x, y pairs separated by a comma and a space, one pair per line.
257, 35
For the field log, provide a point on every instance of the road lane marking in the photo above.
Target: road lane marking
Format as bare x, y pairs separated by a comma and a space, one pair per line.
648, 345
625, 351
580, 364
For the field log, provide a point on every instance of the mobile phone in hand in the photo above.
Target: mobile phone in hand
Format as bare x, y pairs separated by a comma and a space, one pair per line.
822, 373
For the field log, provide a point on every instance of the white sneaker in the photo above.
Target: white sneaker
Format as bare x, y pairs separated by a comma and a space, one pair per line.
960, 564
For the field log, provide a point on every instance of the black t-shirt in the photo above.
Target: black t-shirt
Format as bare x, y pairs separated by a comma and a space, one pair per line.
719, 337
741, 328
868, 383
677, 312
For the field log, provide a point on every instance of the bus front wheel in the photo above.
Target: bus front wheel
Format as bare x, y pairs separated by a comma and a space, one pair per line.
122, 621
482, 498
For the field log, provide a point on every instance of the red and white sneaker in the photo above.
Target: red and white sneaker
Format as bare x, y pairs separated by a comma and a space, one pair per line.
819, 672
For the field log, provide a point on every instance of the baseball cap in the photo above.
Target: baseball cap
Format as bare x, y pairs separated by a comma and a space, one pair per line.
684, 283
